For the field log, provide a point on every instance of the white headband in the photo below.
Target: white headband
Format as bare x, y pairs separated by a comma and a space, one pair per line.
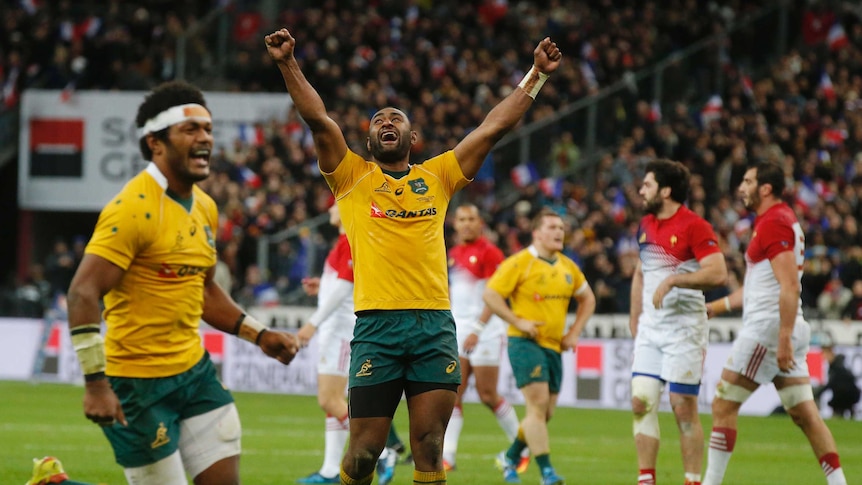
174, 115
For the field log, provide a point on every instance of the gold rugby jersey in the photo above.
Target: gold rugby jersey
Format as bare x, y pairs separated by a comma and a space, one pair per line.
540, 291
395, 228
166, 246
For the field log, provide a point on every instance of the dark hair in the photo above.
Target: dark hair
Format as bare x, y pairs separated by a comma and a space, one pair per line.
671, 174
543, 213
770, 173
165, 96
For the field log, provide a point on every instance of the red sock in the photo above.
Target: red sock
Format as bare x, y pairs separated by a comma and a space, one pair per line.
723, 439
646, 476
829, 463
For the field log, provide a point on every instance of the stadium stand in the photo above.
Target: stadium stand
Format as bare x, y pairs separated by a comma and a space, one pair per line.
445, 62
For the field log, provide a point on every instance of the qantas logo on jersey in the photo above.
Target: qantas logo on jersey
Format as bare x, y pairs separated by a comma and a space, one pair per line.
431, 211
166, 271
376, 211
540, 297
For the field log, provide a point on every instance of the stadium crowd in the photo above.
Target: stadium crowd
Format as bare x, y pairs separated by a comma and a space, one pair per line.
446, 63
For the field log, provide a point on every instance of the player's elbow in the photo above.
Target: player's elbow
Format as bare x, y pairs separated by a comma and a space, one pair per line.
81, 292
490, 297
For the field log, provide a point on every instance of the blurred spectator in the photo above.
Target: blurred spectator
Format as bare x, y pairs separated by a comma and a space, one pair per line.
446, 64
853, 309
256, 290
834, 299
842, 383
60, 267
564, 156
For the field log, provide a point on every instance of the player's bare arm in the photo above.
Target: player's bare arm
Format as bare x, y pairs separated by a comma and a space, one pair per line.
586, 308
786, 272
221, 312
95, 277
724, 305
473, 149
328, 139
712, 274
636, 305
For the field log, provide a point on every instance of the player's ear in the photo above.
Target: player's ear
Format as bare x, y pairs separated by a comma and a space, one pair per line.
154, 144
414, 137
368, 144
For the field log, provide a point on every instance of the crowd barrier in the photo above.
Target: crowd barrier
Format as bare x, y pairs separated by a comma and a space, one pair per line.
602, 326
597, 376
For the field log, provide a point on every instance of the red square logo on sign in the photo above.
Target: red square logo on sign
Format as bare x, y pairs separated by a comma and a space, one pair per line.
56, 148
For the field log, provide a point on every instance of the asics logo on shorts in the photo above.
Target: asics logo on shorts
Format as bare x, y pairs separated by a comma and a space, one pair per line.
537, 371
451, 367
161, 437
365, 369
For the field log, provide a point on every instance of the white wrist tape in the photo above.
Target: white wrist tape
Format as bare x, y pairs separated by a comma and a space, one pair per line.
727, 303
533, 82
90, 347
251, 330
478, 326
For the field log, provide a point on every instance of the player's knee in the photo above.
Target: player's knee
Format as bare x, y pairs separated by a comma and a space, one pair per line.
791, 396
639, 406
730, 392
645, 395
489, 397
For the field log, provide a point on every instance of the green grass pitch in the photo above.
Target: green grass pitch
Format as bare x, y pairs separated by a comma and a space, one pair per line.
283, 440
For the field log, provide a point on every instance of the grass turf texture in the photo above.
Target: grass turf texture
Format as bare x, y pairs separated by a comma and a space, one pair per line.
283, 440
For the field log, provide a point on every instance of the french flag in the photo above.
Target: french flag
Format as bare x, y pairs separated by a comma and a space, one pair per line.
250, 178
87, 28
835, 137
712, 110
589, 75
654, 112
524, 174
747, 85
837, 37
826, 86
551, 187
252, 134
618, 206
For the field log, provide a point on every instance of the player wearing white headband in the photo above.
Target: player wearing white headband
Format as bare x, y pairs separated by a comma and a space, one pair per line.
149, 382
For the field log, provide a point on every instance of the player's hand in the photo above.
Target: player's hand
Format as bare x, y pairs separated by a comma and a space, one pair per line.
710, 312
786, 363
547, 56
303, 336
470, 343
281, 346
570, 341
529, 327
663, 289
101, 405
311, 286
280, 45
